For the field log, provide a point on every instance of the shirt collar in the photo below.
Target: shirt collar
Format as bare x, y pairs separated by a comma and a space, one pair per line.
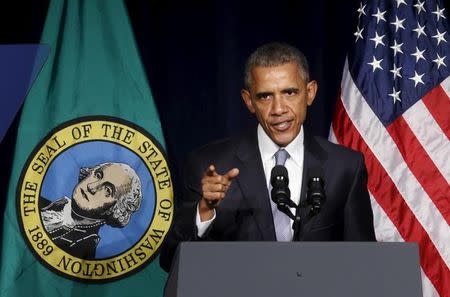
268, 148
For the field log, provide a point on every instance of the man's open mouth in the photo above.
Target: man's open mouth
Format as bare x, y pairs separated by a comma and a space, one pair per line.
282, 126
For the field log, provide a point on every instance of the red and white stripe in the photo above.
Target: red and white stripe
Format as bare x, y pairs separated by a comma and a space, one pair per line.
409, 173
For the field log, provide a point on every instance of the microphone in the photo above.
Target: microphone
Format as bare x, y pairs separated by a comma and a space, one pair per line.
315, 196
280, 193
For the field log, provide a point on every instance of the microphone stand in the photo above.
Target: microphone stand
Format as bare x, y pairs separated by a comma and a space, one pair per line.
285, 207
297, 224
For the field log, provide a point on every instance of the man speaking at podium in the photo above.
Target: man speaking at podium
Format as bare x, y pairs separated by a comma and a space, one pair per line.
274, 182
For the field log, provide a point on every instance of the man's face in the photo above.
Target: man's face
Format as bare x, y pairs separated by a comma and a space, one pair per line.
278, 96
100, 189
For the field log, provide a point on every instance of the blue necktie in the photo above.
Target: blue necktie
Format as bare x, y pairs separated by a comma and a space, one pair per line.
281, 221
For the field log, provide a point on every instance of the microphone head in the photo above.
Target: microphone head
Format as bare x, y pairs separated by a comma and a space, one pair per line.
315, 175
316, 193
279, 174
280, 185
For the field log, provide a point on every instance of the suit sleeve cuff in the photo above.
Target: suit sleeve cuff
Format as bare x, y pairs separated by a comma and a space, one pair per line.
203, 226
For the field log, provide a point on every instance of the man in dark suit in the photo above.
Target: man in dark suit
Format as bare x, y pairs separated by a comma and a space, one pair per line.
227, 183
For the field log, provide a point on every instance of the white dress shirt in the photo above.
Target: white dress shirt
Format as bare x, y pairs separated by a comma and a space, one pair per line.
267, 150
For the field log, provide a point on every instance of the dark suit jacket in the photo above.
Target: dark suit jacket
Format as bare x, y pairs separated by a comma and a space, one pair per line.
245, 213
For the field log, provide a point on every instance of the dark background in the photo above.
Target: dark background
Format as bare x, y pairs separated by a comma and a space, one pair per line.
194, 53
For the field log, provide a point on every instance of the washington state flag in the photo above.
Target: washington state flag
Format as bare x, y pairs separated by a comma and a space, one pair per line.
90, 197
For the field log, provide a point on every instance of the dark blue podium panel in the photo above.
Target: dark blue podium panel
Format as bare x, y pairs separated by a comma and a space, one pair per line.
276, 269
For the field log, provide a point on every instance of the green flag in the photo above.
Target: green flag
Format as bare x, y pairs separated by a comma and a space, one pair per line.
90, 197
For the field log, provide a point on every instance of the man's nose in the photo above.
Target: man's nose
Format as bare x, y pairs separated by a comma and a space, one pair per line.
278, 106
92, 187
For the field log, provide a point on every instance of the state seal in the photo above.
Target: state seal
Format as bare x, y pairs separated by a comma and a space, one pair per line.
95, 199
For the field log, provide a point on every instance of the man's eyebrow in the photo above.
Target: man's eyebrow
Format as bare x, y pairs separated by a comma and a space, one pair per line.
99, 170
290, 90
263, 94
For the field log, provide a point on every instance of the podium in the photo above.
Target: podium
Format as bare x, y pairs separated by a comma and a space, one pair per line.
278, 269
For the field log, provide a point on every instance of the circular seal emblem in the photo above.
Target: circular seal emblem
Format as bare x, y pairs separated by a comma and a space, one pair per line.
95, 199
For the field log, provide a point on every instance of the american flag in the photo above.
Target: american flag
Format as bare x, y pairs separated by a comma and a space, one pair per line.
394, 107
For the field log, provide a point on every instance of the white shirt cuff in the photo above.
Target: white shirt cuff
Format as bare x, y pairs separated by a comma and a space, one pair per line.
203, 226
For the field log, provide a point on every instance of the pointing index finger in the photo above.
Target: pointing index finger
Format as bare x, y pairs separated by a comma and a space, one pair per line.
230, 175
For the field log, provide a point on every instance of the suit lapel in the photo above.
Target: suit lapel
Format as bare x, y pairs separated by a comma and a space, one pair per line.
252, 182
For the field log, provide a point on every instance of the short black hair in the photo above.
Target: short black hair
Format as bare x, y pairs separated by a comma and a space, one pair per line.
275, 54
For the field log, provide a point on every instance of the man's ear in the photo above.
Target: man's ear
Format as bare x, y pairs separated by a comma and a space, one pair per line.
311, 91
245, 94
